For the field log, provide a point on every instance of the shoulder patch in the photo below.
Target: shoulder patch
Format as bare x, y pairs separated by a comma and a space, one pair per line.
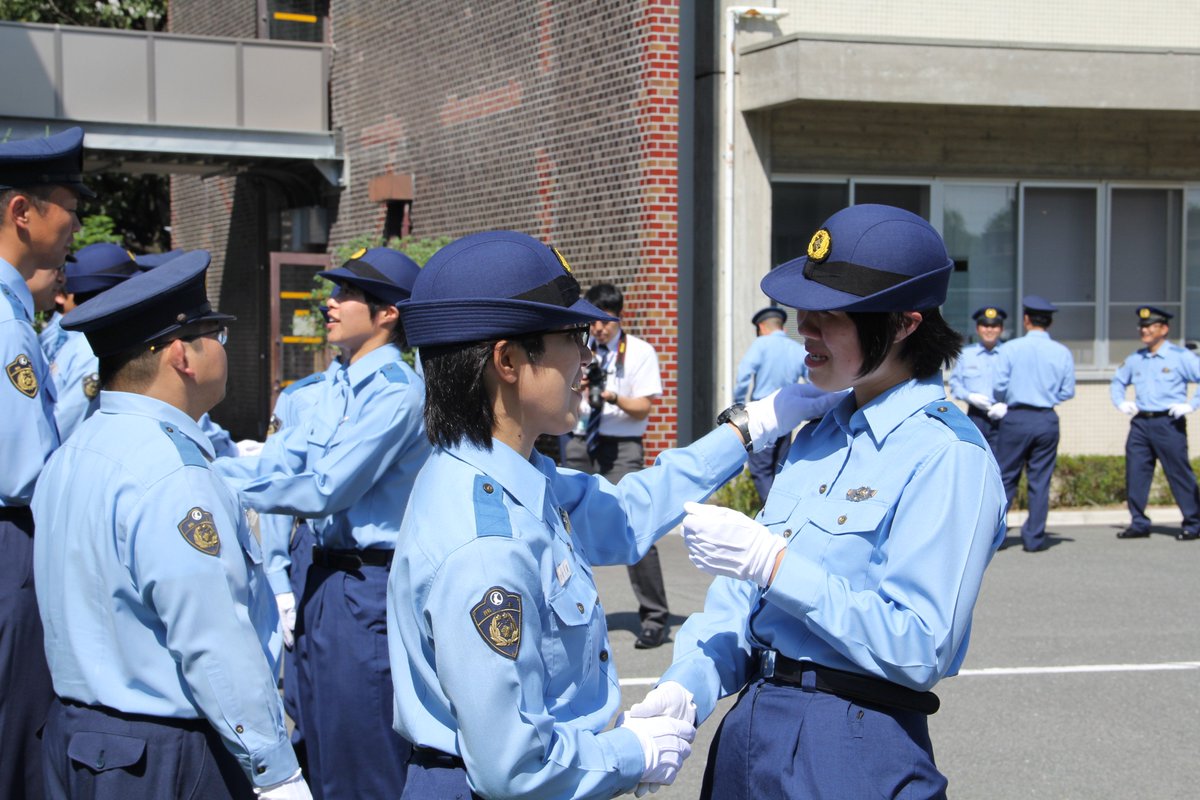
497, 618
200, 531
189, 451
491, 518
21, 373
954, 419
91, 385
395, 373
300, 384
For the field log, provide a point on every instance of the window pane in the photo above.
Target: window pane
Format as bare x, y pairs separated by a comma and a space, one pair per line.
1144, 262
1059, 262
909, 197
1192, 310
979, 227
797, 211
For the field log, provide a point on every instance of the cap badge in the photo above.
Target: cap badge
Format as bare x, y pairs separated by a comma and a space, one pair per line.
132, 257
561, 260
1144, 313
818, 246
21, 373
860, 494
990, 313
359, 253
200, 531
497, 618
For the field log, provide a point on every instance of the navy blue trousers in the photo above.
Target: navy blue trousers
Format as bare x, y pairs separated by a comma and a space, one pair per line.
300, 552
346, 686
92, 753
765, 464
1162, 439
987, 426
790, 742
437, 783
25, 687
1028, 439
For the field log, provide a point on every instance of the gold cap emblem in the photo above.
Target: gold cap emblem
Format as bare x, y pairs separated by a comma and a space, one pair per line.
990, 313
359, 253
561, 260
1144, 313
818, 246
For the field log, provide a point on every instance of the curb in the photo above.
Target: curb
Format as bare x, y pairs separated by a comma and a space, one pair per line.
1118, 517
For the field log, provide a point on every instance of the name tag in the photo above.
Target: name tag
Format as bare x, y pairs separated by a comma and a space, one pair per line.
563, 571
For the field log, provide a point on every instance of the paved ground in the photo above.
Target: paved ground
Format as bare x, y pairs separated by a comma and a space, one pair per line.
1081, 682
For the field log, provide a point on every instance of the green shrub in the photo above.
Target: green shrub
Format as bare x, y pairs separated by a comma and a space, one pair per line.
739, 494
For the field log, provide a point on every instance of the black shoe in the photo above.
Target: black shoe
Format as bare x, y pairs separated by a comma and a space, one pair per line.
1041, 548
1187, 536
651, 638
1133, 533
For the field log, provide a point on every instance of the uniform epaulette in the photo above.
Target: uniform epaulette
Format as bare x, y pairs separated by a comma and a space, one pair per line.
950, 415
189, 451
394, 373
17, 306
491, 518
316, 377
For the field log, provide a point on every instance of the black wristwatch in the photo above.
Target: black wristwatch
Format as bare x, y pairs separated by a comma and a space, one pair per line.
736, 414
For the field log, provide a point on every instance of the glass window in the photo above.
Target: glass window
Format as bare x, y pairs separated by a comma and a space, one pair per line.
1144, 238
979, 226
910, 197
797, 210
1191, 329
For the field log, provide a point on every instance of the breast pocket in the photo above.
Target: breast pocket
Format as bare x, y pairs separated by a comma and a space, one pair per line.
777, 513
569, 651
846, 534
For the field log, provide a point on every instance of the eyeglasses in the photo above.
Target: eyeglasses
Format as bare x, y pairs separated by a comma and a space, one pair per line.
221, 334
578, 334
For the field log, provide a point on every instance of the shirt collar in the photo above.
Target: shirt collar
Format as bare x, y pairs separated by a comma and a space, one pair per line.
521, 478
884, 414
16, 284
612, 345
142, 406
371, 363
1041, 334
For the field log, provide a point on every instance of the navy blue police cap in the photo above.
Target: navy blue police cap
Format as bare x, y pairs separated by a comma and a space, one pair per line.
1148, 315
1038, 304
990, 315
381, 271
493, 285
767, 313
150, 260
147, 307
98, 267
49, 161
866, 258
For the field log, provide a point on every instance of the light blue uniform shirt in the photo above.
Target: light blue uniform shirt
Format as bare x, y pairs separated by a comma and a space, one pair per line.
773, 361
531, 723
27, 432
351, 468
143, 612
972, 373
52, 337
892, 512
76, 376
1160, 380
1034, 370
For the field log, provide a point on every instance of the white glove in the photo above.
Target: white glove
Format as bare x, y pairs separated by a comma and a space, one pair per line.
998, 410
1128, 407
287, 617
666, 743
249, 447
722, 541
1178, 410
669, 699
782, 411
980, 401
294, 788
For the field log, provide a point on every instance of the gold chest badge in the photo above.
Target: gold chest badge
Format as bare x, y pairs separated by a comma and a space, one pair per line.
860, 494
21, 373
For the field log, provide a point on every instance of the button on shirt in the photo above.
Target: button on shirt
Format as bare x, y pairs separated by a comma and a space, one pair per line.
532, 724
891, 517
137, 616
1034, 371
28, 434
972, 373
1160, 380
772, 362
351, 468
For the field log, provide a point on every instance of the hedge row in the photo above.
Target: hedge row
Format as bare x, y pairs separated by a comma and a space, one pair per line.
1079, 482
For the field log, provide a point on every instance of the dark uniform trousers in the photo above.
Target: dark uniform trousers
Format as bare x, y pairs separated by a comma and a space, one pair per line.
1161, 438
764, 464
990, 428
436, 776
1028, 439
300, 552
25, 687
94, 753
616, 457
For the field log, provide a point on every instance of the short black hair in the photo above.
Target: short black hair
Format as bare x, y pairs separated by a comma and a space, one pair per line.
1039, 319
606, 297
456, 401
926, 350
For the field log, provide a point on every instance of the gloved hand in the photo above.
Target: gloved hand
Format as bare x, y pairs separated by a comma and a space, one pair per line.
780, 412
669, 699
294, 788
998, 410
287, 617
980, 401
666, 743
249, 447
1128, 407
722, 541
1178, 410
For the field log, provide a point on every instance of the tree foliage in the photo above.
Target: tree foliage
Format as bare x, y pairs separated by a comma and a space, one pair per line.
139, 15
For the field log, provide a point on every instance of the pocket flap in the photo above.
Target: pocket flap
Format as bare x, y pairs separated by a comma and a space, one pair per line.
844, 516
779, 507
574, 604
102, 751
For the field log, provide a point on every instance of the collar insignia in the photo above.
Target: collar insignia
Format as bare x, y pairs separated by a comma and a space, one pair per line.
200, 531
860, 494
497, 618
566, 520
818, 246
21, 373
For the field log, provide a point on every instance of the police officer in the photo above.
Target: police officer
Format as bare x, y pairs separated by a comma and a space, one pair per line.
350, 468
168, 682
1160, 373
40, 187
502, 665
971, 378
851, 595
1033, 374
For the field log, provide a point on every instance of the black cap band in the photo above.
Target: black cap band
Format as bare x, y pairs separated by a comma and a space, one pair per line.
851, 278
365, 271
562, 291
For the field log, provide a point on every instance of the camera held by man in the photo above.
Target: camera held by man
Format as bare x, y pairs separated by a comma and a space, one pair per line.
596, 379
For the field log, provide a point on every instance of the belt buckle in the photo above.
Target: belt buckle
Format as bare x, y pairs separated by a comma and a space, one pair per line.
355, 560
766, 664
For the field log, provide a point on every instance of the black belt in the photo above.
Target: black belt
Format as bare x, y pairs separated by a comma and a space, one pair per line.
779, 668
18, 514
972, 411
351, 560
1024, 407
1152, 414
430, 758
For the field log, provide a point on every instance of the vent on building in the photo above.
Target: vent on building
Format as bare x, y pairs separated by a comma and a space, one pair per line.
296, 20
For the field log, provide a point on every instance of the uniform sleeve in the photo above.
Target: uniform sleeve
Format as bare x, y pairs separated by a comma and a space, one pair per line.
198, 587
512, 745
1120, 381
617, 523
72, 405
750, 364
1066, 389
1001, 374
945, 528
222, 442
27, 432
957, 390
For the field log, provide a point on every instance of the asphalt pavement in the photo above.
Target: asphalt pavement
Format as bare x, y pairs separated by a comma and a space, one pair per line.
1081, 680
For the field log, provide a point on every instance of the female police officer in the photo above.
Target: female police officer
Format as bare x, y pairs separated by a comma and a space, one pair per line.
851, 596
499, 651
